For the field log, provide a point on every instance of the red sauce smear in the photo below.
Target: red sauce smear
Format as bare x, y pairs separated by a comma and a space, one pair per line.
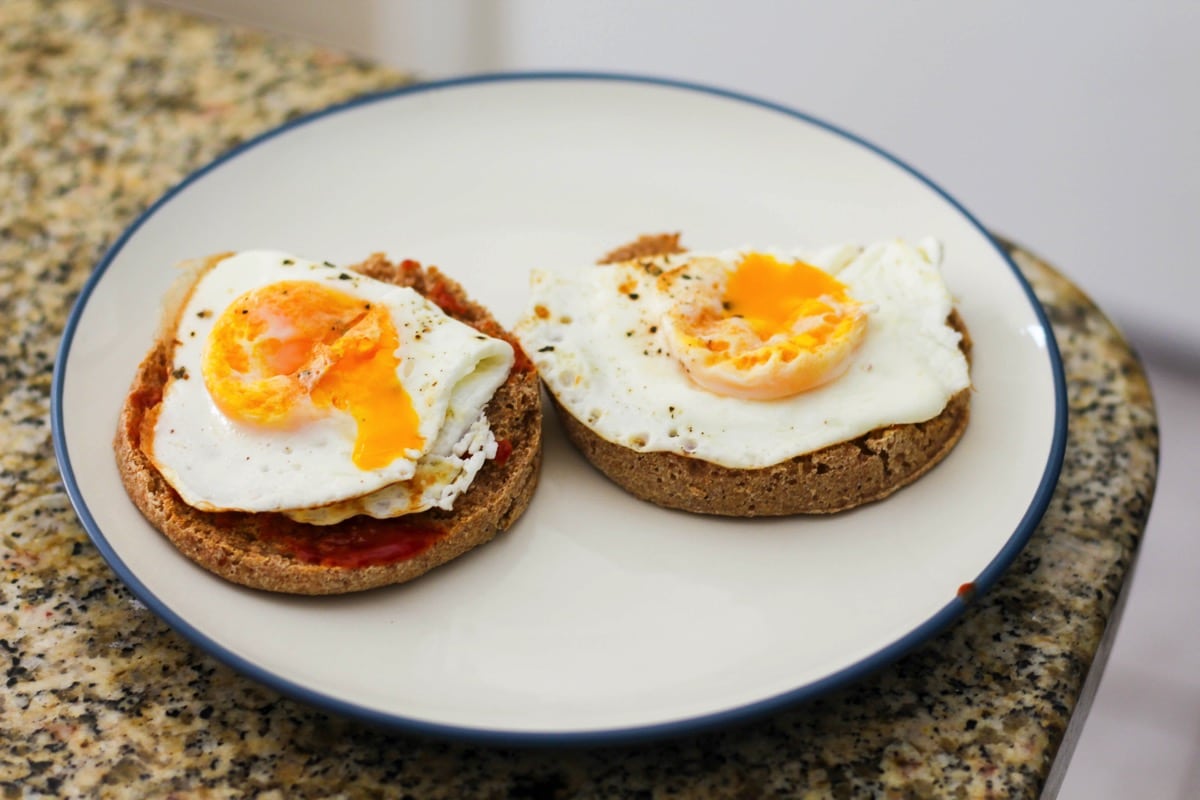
357, 542
521, 362
439, 294
966, 591
503, 451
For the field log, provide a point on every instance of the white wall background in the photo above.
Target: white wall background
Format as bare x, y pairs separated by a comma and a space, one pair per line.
1071, 127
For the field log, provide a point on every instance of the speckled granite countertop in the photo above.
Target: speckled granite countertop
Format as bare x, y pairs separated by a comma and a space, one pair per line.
104, 107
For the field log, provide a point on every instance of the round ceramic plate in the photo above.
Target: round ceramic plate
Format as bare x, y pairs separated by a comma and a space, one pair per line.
596, 617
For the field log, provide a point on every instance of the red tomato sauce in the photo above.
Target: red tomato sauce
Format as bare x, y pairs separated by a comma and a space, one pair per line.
358, 542
504, 449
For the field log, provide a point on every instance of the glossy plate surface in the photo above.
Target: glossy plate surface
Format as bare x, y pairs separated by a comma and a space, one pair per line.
597, 617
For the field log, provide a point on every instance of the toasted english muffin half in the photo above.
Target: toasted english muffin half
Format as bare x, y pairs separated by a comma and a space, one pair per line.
836, 478
272, 552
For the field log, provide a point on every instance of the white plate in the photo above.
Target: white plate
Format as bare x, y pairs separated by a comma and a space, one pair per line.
597, 617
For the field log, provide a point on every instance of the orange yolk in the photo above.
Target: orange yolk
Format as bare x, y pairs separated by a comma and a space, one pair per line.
771, 296
284, 354
775, 329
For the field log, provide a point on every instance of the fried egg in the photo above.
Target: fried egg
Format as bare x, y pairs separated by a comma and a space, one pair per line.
748, 357
303, 388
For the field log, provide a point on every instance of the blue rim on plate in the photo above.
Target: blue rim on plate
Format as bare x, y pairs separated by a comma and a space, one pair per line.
875, 661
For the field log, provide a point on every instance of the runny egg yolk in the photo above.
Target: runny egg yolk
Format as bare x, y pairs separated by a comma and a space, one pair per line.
764, 329
288, 352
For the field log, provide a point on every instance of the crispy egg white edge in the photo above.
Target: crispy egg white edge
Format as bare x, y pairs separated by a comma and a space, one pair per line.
439, 481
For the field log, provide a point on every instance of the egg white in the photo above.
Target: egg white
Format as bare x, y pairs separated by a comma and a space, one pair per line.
438, 481
598, 345
216, 462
